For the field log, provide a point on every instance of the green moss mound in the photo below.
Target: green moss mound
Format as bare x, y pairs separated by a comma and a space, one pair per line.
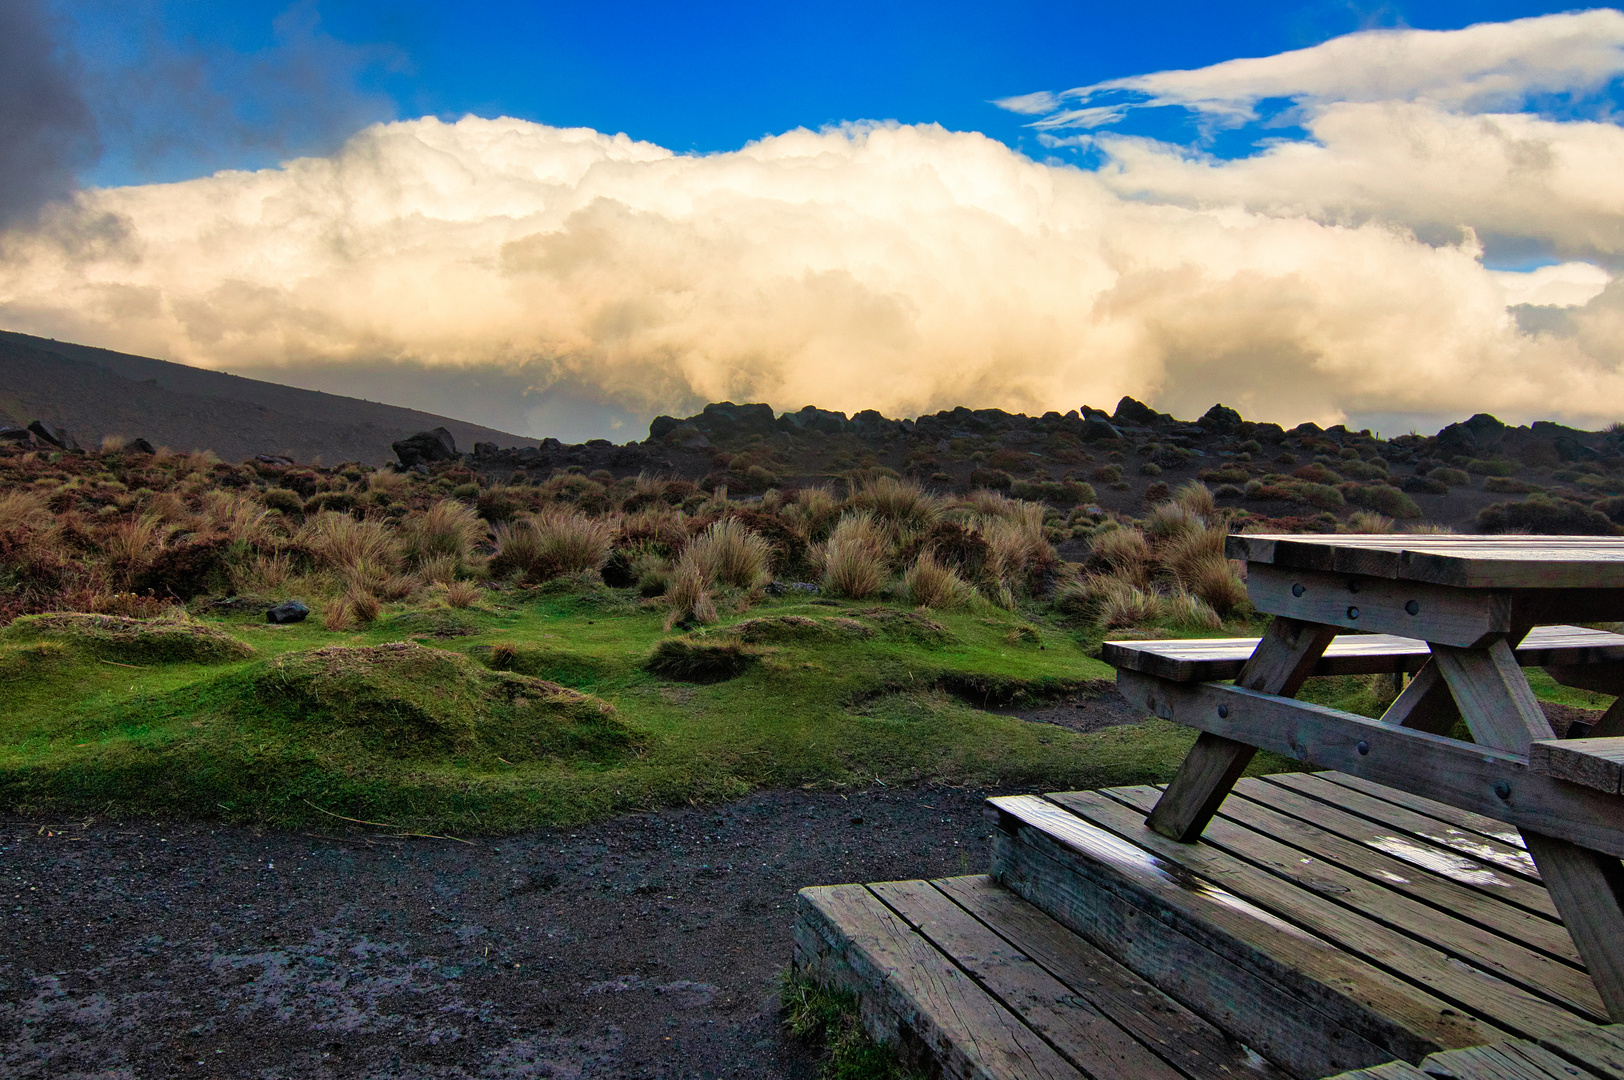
405, 699
130, 641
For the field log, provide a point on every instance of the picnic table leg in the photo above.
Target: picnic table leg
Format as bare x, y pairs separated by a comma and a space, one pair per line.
1282, 660
1425, 704
1587, 886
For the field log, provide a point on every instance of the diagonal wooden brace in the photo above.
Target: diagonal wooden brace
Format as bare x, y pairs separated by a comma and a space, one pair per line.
1283, 660
1588, 889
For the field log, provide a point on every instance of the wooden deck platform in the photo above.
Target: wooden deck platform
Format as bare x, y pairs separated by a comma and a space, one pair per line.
1322, 924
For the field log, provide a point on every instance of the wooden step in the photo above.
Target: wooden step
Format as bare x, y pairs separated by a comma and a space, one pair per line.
1316, 921
1592, 1054
965, 975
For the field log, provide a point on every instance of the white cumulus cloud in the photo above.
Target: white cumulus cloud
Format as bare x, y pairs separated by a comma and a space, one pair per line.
493, 268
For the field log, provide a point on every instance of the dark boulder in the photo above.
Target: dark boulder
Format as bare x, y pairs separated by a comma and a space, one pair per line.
1570, 449
52, 434
486, 450
1472, 438
426, 447
1132, 411
723, 419
1220, 418
1095, 430
661, 426
814, 419
16, 434
139, 446
289, 611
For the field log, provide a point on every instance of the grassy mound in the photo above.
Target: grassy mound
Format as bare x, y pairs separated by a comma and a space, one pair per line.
404, 699
130, 641
700, 659
906, 625
431, 622
543, 662
778, 628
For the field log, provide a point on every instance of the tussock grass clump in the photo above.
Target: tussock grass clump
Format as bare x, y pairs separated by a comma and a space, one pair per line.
556, 542
932, 585
696, 659
133, 641
446, 533
404, 699
729, 554
853, 559
688, 596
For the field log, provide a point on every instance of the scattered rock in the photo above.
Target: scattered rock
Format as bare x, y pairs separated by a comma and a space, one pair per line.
289, 611
52, 434
426, 447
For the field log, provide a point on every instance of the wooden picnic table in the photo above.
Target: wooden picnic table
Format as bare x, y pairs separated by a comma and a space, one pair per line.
1472, 600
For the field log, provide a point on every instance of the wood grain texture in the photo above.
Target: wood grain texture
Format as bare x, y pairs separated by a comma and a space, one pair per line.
1597, 763
1504, 1061
1274, 987
1392, 1070
1480, 562
1588, 888
1199, 1050
1293, 893
1086, 1037
1505, 903
1575, 649
1493, 696
1282, 661
1601, 1050
1564, 984
911, 991
1494, 783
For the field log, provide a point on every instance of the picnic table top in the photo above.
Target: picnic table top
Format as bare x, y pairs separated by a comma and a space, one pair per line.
1477, 562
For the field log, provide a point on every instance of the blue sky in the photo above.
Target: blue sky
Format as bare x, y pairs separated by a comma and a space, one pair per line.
189, 88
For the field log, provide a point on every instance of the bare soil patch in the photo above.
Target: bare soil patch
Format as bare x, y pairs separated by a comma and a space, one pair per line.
648, 945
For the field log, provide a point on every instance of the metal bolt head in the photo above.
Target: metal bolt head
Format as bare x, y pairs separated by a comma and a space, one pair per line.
1412, 607
1502, 789
1353, 613
1297, 590
1363, 747
1223, 711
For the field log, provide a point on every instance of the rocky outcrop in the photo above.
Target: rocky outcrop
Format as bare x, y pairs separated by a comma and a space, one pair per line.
425, 448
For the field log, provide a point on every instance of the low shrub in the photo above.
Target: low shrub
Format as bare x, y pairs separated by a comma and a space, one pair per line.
1383, 499
556, 542
1451, 477
1424, 485
929, 584
1506, 486
1107, 474
994, 479
1493, 468
1545, 516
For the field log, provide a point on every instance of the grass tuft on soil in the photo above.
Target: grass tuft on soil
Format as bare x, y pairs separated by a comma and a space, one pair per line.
831, 1021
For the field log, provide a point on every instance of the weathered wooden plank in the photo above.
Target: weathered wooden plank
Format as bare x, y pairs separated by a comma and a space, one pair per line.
1597, 763
1491, 782
1605, 677
1293, 998
1199, 1050
1478, 992
968, 1033
1083, 1035
1599, 1049
1433, 613
1506, 903
1502, 1061
1314, 878
1450, 815
1392, 1070
1588, 888
1464, 561
1593, 655
1505, 852
1283, 660
1494, 698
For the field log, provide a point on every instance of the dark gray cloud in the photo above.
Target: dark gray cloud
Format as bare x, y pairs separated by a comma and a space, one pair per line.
47, 131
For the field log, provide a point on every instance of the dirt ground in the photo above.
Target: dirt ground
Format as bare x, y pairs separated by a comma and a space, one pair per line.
645, 946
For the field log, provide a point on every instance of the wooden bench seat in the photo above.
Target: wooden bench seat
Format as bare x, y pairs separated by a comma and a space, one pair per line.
1211, 659
1597, 763
1587, 1054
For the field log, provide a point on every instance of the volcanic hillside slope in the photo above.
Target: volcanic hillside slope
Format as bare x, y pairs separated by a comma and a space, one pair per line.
95, 392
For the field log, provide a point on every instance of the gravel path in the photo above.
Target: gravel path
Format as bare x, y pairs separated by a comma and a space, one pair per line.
644, 946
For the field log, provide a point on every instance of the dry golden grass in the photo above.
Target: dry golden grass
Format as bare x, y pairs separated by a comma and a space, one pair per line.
1368, 521
448, 529
1198, 499
728, 553
462, 594
556, 542
932, 585
853, 560
689, 598
901, 504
